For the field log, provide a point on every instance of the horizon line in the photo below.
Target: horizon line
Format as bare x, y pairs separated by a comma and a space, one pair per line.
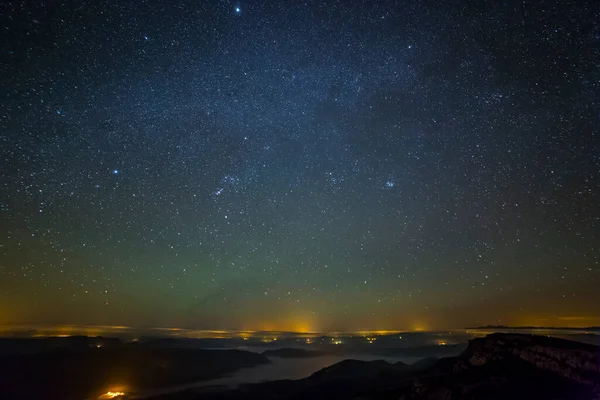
315, 332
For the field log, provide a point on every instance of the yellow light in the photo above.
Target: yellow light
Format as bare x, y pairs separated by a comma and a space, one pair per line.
442, 343
111, 395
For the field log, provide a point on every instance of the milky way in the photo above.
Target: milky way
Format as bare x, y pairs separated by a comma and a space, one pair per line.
300, 165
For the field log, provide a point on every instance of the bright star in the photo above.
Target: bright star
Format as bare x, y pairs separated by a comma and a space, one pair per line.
229, 179
238, 10
115, 172
390, 184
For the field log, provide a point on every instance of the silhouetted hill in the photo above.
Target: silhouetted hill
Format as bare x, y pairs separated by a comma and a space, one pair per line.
423, 364
77, 373
34, 345
350, 369
499, 366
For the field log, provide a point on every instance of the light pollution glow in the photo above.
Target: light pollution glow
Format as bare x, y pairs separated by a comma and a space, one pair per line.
267, 335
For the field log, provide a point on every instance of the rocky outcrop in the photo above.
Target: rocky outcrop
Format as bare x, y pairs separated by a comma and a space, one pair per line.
515, 366
571, 360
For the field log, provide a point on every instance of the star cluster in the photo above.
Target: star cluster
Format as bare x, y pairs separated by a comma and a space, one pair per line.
318, 165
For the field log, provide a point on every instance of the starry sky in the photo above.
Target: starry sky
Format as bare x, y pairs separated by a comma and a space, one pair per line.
299, 165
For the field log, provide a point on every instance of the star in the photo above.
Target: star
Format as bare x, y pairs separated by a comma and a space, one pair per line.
313, 167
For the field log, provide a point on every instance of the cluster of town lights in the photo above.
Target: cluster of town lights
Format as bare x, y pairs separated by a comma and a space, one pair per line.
111, 395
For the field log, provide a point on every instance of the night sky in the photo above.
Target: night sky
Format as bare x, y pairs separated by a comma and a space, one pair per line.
317, 165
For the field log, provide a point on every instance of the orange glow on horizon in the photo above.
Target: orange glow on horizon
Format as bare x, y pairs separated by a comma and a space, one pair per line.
375, 332
298, 325
419, 327
111, 395
302, 328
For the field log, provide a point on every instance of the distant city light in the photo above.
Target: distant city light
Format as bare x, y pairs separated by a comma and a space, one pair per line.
111, 395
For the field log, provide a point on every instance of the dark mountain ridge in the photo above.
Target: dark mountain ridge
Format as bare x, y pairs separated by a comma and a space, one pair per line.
80, 372
498, 366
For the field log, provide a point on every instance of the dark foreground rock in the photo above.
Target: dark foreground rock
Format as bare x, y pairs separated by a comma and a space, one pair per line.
502, 366
574, 361
499, 366
79, 373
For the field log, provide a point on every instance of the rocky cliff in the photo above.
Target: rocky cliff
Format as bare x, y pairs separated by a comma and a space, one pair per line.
571, 360
514, 366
